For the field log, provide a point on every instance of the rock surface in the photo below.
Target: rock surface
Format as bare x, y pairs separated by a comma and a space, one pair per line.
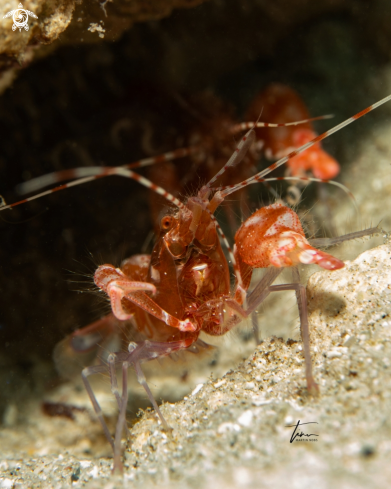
17, 48
262, 26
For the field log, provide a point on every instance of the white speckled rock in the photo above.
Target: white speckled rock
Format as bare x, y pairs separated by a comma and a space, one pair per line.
350, 298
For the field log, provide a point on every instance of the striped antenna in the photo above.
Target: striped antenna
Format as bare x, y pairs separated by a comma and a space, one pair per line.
105, 172
237, 156
245, 126
53, 178
225, 191
309, 179
227, 245
229, 249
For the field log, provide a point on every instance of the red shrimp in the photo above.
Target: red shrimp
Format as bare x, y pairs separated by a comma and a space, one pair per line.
279, 103
184, 288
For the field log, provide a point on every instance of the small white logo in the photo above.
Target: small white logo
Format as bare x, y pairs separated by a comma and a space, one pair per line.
20, 17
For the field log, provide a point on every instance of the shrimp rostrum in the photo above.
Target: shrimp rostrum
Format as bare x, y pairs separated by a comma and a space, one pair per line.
183, 288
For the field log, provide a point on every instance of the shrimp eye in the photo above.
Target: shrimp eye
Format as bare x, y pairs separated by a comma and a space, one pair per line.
166, 222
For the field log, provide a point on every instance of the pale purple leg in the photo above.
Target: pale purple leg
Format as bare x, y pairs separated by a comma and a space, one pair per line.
326, 242
261, 290
121, 422
113, 378
114, 385
301, 298
137, 354
143, 382
254, 321
257, 296
264, 288
98, 411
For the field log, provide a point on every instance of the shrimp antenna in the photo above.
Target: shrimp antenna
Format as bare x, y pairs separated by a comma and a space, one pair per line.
243, 126
49, 179
105, 172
